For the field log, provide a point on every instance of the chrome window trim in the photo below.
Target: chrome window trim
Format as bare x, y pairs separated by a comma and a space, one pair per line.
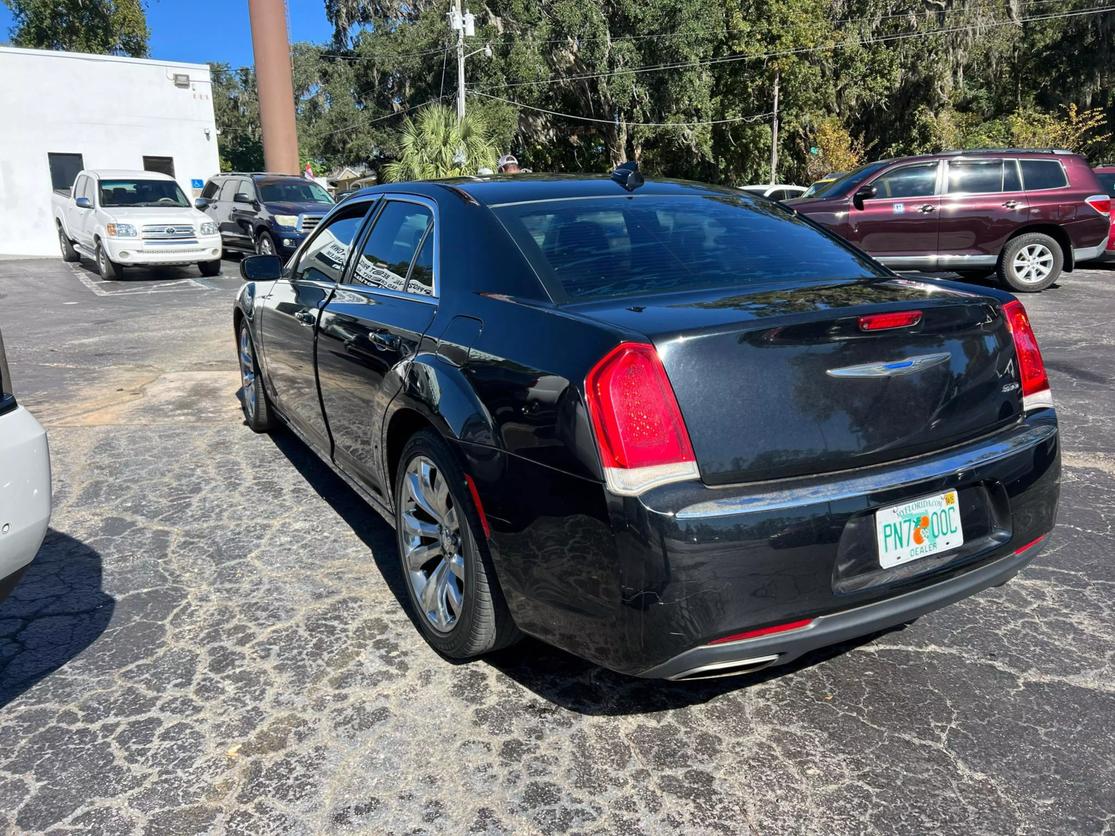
420, 200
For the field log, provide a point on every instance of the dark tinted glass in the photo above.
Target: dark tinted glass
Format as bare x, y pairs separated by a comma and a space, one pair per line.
325, 255
388, 251
975, 176
1107, 181
918, 180
210, 190
1042, 174
142, 193
849, 181
422, 272
292, 191
630, 245
1012, 180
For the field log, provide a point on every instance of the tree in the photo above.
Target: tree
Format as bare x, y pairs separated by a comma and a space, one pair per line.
435, 144
102, 27
236, 109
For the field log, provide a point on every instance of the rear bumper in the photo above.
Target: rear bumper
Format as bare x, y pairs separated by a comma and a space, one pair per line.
136, 251
24, 490
643, 584
1080, 254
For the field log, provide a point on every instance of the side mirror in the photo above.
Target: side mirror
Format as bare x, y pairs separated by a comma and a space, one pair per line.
864, 193
261, 268
202, 203
241, 197
83, 203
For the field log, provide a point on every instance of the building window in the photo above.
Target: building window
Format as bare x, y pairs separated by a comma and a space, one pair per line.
64, 169
163, 165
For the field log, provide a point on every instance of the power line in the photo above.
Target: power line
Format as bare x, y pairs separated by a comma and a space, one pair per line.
754, 118
727, 59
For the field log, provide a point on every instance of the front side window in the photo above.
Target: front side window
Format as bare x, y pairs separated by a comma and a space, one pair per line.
228, 190
975, 176
385, 259
246, 190
163, 193
624, 246
294, 190
1042, 174
919, 180
324, 256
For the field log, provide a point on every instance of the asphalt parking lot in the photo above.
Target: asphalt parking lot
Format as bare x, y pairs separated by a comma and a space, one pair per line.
211, 637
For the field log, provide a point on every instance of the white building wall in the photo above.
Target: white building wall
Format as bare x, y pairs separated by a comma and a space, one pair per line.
111, 110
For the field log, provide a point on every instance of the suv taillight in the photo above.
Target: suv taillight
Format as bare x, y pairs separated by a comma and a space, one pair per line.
1031, 368
638, 425
1101, 203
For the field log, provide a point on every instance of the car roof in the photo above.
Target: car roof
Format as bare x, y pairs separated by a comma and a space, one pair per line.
1037, 153
498, 190
125, 173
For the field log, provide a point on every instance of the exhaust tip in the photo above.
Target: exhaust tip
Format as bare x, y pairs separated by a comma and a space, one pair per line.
736, 667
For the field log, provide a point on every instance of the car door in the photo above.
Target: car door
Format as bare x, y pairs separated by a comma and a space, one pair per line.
982, 205
87, 218
242, 213
371, 326
898, 223
221, 215
290, 314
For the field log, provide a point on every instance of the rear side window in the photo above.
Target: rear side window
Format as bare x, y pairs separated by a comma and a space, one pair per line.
1107, 181
975, 176
1042, 174
918, 180
390, 247
210, 190
621, 246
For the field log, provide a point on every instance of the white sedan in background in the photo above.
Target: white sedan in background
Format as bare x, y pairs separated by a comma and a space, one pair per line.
776, 191
24, 484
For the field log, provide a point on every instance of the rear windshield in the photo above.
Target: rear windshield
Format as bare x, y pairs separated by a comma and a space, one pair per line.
605, 247
1107, 181
292, 191
141, 193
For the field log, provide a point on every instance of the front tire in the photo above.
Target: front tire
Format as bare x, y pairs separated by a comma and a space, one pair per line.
210, 268
67, 246
109, 269
253, 399
265, 244
1030, 262
449, 577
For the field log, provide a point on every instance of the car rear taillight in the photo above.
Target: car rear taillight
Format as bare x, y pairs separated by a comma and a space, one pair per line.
886, 321
1101, 203
639, 429
1031, 368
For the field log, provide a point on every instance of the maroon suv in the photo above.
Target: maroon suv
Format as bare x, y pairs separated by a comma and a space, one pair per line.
1025, 214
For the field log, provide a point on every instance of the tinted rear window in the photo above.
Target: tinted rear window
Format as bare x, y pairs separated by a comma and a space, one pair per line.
622, 246
1107, 181
1042, 174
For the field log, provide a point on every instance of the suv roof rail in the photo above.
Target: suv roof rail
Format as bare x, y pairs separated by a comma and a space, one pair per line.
962, 151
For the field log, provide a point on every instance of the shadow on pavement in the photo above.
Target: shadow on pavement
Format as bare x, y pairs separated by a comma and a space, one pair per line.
57, 609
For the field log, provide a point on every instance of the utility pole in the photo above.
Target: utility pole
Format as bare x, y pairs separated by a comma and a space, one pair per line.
271, 45
464, 24
774, 134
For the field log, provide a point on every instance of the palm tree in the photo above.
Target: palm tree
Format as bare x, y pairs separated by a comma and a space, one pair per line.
436, 144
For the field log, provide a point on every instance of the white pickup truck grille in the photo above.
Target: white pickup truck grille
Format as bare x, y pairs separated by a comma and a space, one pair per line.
167, 232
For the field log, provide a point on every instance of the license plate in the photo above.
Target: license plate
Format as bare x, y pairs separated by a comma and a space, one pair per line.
918, 528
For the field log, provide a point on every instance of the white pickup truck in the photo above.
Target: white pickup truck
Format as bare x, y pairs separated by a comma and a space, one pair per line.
123, 218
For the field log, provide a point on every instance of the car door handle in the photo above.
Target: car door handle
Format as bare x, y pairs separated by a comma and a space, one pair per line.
306, 318
927, 208
1013, 204
384, 340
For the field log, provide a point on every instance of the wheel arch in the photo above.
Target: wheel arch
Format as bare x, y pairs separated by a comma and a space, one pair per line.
1054, 231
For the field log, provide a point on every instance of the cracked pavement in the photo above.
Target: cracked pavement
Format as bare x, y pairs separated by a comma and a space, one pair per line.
211, 638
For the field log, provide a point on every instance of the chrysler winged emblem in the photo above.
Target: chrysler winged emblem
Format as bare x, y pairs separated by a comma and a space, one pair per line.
908, 365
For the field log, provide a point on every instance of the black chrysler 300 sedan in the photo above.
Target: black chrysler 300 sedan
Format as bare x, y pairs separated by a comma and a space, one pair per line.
675, 429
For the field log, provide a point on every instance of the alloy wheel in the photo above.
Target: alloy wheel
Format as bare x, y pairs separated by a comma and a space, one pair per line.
432, 543
263, 246
247, 373
1033, 263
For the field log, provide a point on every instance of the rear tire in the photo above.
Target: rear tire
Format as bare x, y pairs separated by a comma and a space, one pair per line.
253, 398
446, 566
1030, 262
109, 269
210, 268
67, 246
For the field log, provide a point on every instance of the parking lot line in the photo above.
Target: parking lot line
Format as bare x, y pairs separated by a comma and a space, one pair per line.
99, 286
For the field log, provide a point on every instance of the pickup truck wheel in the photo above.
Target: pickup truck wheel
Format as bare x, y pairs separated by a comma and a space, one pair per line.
210, 268
108, 268
253, 399
1030, 262
67, 246
451, 584
265, 244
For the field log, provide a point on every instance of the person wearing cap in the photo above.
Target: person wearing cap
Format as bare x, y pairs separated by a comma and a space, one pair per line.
508, 164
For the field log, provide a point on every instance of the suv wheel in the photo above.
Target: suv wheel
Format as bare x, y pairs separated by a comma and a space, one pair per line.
265, 244
1030, 262
449, 576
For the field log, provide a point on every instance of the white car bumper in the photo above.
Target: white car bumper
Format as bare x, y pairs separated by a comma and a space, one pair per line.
139, 251
24, 490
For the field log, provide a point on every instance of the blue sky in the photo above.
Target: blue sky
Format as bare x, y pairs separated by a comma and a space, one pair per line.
212, 30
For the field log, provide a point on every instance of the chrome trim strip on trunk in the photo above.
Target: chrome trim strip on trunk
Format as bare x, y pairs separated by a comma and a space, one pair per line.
886, 477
